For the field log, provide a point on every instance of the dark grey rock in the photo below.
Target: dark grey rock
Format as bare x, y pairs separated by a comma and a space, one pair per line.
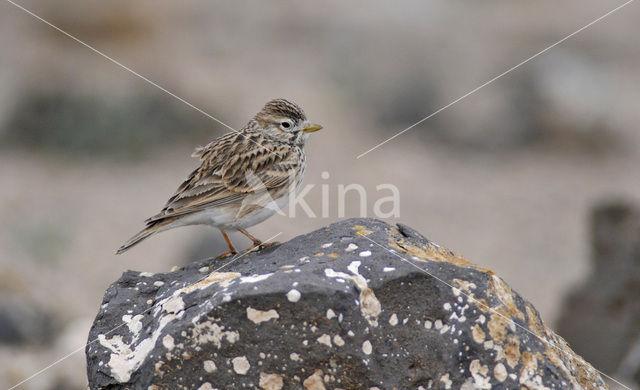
344, 307
601, 318
22, 322
80, 125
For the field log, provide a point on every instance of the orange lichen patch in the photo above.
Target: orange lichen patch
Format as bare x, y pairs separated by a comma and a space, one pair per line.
481, 304
333, 255
580, 373
498, 328
319, 254
479, 373
431, 252
512, 350
463, 285
535, 323
528, 370
531, 359
552, 355
504, 293
587, 376
486, 270
478, 334
361, 230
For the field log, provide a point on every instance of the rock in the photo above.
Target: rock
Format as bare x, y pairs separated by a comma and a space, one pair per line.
81, 125
601, 318
347, 306
22, 322
557, 103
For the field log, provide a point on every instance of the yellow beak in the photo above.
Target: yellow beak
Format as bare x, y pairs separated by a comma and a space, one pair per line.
311, 128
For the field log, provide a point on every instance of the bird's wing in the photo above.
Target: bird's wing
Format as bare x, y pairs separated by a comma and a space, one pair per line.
232, 167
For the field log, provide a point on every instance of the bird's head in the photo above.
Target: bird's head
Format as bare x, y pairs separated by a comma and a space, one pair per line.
283, 119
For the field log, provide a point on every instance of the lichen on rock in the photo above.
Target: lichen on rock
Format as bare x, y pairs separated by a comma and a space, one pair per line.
385, 308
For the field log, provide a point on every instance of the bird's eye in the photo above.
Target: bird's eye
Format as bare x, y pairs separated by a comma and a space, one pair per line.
285, 125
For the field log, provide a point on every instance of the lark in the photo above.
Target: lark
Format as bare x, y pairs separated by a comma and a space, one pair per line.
244, 176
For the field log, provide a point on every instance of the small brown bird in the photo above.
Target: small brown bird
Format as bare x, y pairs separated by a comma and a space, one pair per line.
244, 177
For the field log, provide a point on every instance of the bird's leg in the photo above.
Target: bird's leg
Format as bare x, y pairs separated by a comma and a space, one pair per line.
256, 242
232, 250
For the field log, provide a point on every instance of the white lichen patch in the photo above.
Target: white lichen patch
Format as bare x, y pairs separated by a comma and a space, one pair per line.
294, 356
353, 267
365, 254
270, 381
258, 316
146, 274
123, 360
241, 365
209, 366
293, 295
174, 304
325, 339
330, 314
478, 334
428, 324
224, 278
500, 372
351, 247
327, 245
167, 341
133, 323
211, 332
367, 348
479, 373
255, 278
393, 320
337, 340
206, 386
446, 381
370, 307
388, 269
314, 381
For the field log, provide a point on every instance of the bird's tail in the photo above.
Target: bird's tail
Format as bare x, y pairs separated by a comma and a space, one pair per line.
152, 227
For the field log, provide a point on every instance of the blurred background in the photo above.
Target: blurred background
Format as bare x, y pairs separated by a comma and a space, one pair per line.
510, 176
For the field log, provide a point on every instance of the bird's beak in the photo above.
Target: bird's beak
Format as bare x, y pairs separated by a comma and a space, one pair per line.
311, 128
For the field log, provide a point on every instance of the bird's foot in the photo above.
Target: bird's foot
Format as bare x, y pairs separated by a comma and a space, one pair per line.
258, 246
228, 253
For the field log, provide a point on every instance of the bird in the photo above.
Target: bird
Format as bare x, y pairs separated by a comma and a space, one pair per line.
244, 177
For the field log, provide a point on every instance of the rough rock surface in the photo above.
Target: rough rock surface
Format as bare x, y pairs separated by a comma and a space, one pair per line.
344, 307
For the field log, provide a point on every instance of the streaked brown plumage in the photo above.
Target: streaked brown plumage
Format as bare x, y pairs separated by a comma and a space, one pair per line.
243, 178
